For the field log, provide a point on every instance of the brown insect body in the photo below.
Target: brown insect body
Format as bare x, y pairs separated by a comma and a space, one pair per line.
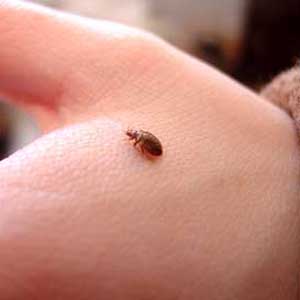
146, 140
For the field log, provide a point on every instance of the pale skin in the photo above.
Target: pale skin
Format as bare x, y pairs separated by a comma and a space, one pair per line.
84, 215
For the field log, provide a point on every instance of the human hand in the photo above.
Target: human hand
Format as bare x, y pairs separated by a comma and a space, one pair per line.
86, 216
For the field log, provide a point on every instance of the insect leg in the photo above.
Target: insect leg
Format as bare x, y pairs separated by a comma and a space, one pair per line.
137, 141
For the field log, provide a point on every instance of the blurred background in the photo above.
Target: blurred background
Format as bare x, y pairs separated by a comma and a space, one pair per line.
250, 40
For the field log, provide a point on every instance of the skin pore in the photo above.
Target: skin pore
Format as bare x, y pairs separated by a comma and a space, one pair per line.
84, 216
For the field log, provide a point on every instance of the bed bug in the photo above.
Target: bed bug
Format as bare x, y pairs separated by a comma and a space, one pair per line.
146, 140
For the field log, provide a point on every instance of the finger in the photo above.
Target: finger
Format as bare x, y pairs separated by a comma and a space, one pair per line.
45, 56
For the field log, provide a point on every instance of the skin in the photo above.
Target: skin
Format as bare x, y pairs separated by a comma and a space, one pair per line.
84, 217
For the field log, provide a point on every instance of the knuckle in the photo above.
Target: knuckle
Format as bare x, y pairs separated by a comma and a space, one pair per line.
141, 50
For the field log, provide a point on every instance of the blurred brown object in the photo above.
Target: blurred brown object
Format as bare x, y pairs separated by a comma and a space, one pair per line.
271, 42
5, 132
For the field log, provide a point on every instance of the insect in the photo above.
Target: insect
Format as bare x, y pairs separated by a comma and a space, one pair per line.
146, 140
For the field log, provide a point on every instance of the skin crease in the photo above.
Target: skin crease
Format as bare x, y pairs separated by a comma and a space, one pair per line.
85, 216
